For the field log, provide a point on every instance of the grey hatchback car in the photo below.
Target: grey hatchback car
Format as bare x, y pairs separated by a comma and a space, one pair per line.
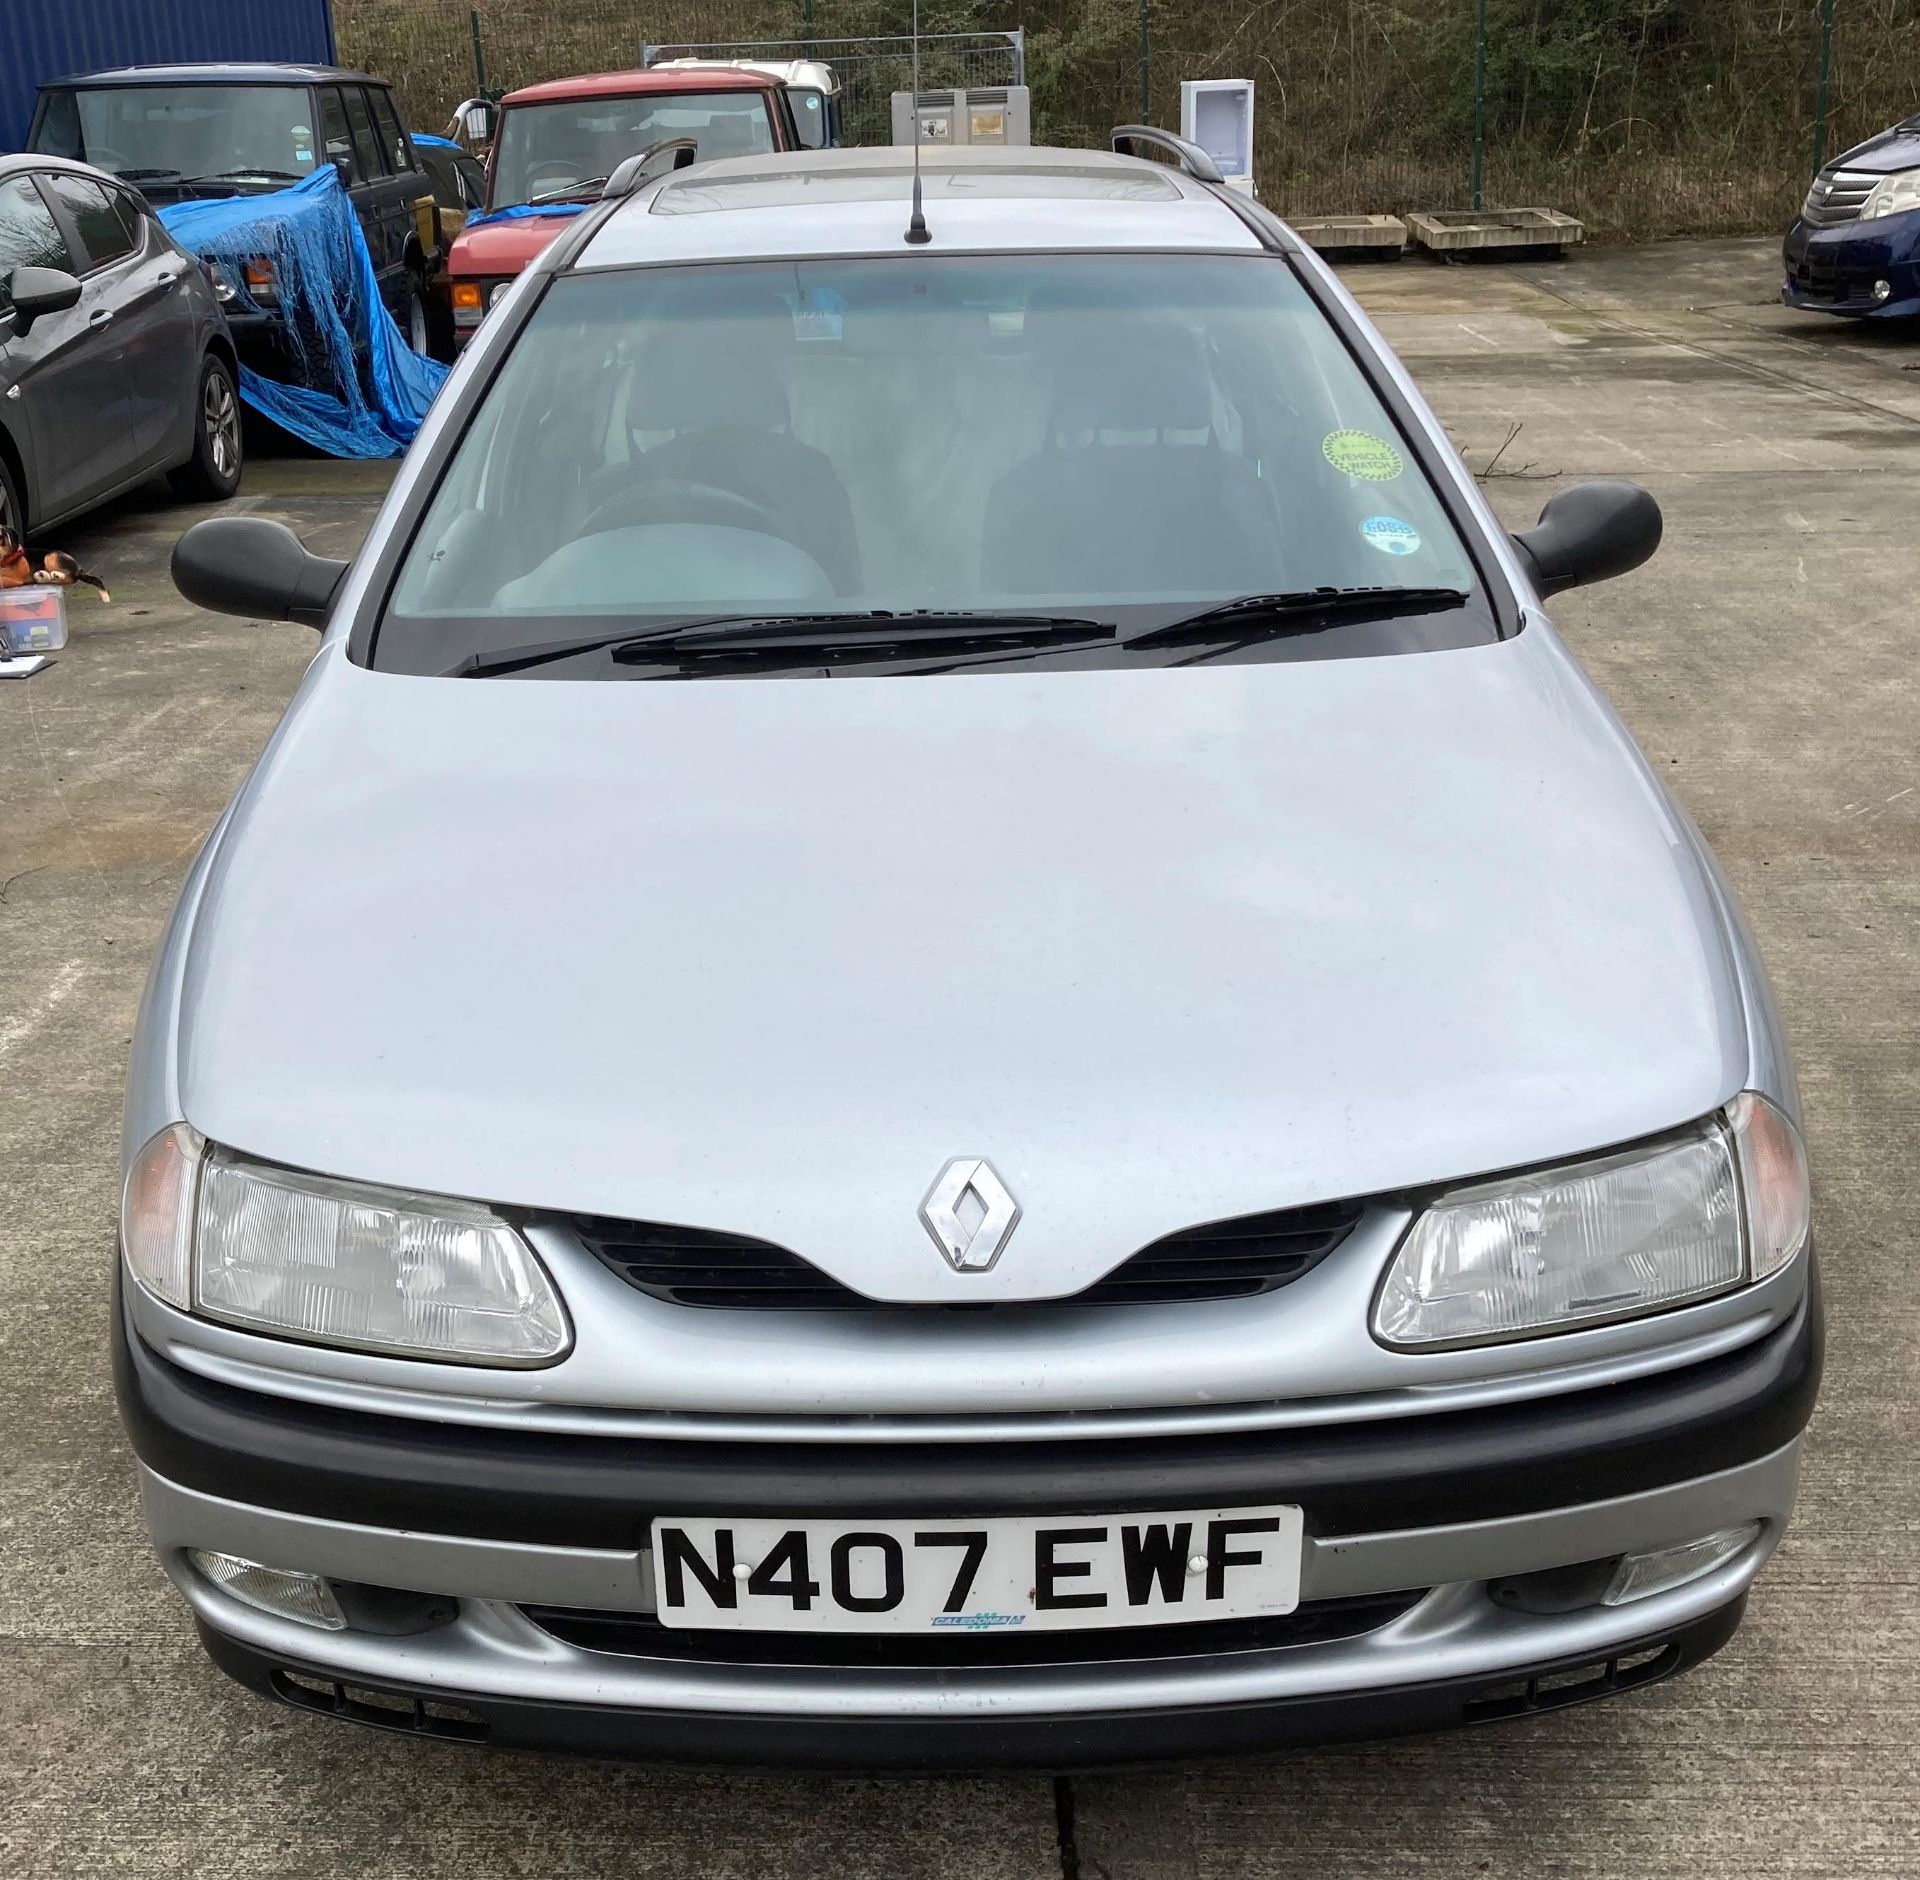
945, 1035
115, 359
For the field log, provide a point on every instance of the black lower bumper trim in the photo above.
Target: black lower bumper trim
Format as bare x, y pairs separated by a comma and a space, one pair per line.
600, 1491
974, 1741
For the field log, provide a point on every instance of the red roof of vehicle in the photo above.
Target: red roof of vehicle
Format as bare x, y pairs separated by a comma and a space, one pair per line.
638, 83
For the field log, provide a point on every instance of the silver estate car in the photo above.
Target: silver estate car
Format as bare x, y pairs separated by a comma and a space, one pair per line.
944, 1034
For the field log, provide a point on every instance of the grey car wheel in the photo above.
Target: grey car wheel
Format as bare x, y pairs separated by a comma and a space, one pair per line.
212, 473
12, 511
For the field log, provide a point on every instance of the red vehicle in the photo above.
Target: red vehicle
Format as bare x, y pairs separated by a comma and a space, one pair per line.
557, 143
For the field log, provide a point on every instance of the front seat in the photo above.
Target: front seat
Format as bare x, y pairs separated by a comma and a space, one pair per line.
714, 382
1130, 493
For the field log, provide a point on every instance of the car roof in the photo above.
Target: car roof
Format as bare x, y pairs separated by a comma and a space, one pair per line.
13, 162
640, 82
218, 73
844, 202
807, 74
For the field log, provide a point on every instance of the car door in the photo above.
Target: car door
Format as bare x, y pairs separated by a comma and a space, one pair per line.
350, 147
64, 388
384, 201
413, 192
138, 277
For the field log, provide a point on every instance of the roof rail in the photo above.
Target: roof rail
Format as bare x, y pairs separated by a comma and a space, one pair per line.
1192, 158
626, 176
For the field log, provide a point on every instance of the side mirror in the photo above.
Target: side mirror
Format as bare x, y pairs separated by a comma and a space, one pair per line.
258, 569
475, 121
1591, 532
37, 291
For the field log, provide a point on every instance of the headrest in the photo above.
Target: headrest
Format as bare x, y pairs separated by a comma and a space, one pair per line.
1128, 375
912, 325
714, 367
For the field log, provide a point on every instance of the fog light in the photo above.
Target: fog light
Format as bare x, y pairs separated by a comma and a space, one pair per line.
302, 1597
1640, 1575
1883, 290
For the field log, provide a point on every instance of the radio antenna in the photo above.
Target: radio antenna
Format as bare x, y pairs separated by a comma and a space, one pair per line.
917, 231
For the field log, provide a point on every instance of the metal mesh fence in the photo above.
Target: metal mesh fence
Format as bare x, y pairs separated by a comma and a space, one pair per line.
1643, 117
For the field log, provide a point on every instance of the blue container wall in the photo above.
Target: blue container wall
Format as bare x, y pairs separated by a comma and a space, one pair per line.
42, 39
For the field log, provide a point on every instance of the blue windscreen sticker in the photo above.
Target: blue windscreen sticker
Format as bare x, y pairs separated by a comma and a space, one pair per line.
1390, 535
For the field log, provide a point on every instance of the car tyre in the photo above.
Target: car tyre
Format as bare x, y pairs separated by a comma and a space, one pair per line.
212, 473
414, 323
13, 508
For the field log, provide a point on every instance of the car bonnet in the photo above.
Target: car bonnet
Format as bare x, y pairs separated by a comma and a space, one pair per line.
1166, 946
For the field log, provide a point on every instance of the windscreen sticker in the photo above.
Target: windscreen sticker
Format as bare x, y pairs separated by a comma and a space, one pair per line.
1390, 535
1361, 454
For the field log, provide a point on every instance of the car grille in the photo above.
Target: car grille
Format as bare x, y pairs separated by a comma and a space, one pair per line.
1821, 277
1837, 196
693, 1266
641, 1635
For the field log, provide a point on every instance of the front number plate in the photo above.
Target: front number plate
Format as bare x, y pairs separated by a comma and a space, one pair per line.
1057, 1573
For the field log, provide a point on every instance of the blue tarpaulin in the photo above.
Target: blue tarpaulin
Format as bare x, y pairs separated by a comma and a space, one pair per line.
526, 211
358, 390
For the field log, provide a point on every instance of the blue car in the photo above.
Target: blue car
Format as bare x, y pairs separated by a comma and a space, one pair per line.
1855, 246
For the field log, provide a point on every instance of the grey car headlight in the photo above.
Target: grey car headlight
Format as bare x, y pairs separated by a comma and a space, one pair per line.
1612, 1237
333, 1262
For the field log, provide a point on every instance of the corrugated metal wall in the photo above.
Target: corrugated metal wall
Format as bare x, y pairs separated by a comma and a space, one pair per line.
41, 39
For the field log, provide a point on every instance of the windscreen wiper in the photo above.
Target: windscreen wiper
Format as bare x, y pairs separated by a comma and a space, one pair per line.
145, 176
706, 635
243, 174
1305, 610
866, 633
587, 186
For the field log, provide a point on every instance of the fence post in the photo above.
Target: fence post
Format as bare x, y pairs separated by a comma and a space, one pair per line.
1480, 97
1821, 88
1146, 61
479, 54
806, 21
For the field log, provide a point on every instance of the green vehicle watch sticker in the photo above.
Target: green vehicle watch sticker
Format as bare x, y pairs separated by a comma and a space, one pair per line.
1361, 454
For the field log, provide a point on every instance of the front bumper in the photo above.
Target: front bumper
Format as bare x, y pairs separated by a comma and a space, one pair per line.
500, 1524
1833, 270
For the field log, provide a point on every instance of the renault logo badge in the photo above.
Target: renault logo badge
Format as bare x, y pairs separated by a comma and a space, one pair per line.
970, 1214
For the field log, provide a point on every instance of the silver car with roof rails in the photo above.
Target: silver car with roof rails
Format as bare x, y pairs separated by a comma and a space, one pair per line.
944, 1034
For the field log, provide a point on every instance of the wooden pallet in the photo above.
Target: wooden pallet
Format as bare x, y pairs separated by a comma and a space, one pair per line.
1461, 231
1382, 236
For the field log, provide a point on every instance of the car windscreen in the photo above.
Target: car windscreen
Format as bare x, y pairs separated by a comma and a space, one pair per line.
547, 149
164, 134
1125, 439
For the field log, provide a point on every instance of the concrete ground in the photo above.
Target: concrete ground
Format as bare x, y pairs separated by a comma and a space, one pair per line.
1765, 661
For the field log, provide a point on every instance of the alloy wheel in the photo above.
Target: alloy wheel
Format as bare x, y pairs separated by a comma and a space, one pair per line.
220, 415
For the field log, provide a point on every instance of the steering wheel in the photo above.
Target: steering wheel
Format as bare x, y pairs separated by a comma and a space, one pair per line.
542, 177
668, 499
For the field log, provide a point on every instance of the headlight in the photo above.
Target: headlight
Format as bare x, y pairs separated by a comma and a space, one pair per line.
496, 292
1610, 1238
303, 1256
1893, 194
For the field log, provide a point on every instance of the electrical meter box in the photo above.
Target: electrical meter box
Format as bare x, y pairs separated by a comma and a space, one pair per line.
988, 114
1217, 114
